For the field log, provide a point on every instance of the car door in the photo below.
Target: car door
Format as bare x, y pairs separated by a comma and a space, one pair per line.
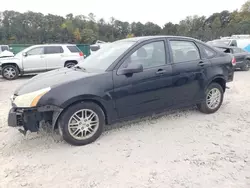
34, 60
148, 90
189, 71
54, 57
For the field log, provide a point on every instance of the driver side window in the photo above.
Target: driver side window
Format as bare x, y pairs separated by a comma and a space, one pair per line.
36, 51
150, 55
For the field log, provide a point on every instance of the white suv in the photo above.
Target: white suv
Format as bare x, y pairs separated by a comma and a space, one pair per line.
40, 58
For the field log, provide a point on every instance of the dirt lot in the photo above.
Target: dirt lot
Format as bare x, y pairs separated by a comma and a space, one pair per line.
179, 149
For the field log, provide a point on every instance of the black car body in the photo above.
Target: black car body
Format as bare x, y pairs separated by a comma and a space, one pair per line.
131, 77
242, 57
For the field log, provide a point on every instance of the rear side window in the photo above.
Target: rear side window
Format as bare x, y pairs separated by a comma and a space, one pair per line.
53, 50
184, 51
73, 49
208, 52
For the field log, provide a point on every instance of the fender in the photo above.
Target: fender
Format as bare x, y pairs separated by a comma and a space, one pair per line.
108, 107
12, 63
214, 78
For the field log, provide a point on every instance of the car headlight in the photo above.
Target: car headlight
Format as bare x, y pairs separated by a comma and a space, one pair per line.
30, 99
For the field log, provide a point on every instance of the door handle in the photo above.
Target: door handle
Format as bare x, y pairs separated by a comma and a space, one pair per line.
42, 56
160, 71
201, 63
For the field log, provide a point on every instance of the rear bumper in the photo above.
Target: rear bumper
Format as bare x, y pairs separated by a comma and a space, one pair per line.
30, 118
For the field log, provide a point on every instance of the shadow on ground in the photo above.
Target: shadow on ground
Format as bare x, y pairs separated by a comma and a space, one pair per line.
47, 138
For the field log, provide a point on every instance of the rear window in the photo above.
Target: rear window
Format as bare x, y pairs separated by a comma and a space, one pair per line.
3, 48
236, 50
73, 49
219, 42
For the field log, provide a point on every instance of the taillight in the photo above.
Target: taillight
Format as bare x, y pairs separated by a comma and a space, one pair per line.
81, 54
233, 61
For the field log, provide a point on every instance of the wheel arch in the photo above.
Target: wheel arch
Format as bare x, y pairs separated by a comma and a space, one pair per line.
13, 64
220, 80
81, 99
70, 61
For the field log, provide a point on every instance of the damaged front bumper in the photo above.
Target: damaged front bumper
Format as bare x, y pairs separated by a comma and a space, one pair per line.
31, 118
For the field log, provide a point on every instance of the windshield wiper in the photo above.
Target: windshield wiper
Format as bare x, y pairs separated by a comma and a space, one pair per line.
78, 67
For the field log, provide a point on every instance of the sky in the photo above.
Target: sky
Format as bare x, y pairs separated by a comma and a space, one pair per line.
157, 11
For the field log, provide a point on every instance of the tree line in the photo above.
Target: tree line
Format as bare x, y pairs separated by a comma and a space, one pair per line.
33, 28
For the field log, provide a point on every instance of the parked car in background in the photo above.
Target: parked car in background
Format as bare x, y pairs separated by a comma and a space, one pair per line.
5, 51
4, 48
242, 57
125, 79
40, 58
240, 41
98, 44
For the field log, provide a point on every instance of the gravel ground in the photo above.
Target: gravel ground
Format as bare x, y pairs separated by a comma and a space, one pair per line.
182, 148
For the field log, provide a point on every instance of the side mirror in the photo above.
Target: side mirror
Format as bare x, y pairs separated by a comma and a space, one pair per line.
131, 69
25, 54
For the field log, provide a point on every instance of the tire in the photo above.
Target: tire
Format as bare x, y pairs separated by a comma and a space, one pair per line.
246, 66
70, 64
10, 72
79, 132
204, 107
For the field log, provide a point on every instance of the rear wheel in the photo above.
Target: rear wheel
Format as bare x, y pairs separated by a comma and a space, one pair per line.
70, 64
214, 98
10, 72
82, 123
246, 66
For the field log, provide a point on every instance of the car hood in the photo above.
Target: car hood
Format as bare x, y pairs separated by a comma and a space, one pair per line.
52, 79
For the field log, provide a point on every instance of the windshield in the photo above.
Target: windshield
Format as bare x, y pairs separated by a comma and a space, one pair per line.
24, 50
19, 53
220, 42
104, 57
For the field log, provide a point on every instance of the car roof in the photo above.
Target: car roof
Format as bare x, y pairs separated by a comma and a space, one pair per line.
145, 38
40, 45
229, 47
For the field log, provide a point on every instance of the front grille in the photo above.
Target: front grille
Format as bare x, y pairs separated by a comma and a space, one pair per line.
19, 119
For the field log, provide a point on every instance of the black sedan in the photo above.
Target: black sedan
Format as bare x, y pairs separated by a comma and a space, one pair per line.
242, 57
124, 79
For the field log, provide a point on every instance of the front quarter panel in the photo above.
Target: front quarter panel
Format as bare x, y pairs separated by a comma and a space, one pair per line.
96, 88
18, 62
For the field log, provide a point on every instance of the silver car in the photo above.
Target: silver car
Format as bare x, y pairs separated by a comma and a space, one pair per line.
40, 58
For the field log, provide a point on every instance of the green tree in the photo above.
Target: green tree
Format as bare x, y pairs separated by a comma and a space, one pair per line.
31, 27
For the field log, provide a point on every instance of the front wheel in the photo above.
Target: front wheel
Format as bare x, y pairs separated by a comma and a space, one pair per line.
214, 98
10, 72
82, 124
